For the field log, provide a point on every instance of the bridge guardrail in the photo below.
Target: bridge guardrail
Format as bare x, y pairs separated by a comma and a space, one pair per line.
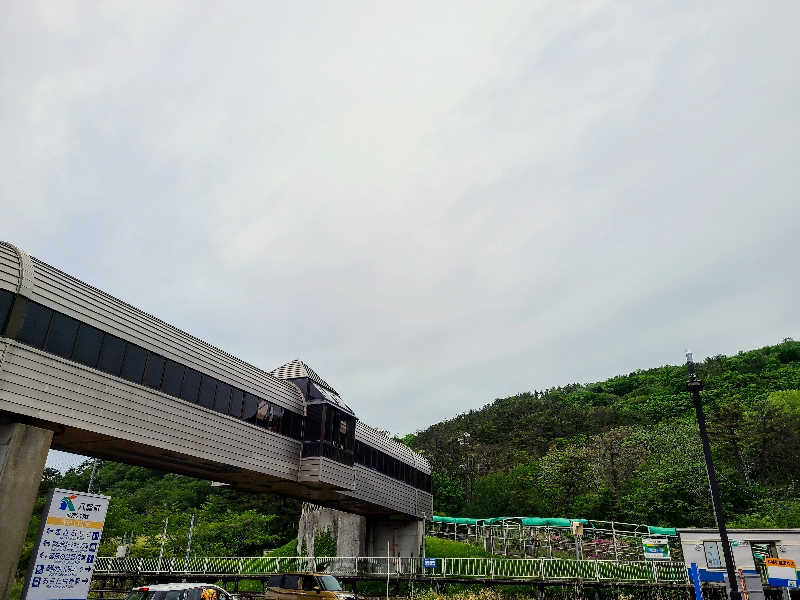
352, 566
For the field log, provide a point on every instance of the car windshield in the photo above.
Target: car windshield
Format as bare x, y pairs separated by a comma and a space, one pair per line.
330, 583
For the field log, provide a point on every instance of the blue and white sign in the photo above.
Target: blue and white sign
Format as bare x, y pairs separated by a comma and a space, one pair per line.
429, 563
63, 559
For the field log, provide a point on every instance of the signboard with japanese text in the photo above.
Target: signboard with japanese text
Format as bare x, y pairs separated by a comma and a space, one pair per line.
63, 558
781, 572
655, 548
429, 563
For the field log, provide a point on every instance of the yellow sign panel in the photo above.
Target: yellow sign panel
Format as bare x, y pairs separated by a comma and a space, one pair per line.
780, 562
74, 523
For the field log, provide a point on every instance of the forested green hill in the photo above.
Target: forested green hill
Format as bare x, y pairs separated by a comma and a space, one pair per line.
627, 448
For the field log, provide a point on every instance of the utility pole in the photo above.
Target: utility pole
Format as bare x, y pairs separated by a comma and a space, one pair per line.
694, 385
91, 477
163, 537
388, 569
189, 544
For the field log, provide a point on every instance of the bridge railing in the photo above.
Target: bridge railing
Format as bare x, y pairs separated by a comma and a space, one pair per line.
351, 566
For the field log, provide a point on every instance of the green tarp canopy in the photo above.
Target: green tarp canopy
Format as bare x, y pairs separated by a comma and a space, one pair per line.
538, 522
551, 522
455, 520
661, 530
494, 520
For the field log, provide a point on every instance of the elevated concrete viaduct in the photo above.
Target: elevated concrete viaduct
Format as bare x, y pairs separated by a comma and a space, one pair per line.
85, 372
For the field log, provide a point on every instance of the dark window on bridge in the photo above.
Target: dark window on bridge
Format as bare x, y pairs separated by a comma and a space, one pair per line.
135, 361
154, 371
207, 388
372, 458
6, 300
62, 334
236, 403
173, 376
222, 399
111, 355
250, 407
290, 582
314, 422
37, 321
87, 346
275, 421
191, 385
295, 429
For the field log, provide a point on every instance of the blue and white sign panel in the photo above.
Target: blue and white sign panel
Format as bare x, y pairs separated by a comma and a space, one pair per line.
63, 560
429, 563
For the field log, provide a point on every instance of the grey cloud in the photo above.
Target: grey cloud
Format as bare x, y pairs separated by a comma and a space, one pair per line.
433, 204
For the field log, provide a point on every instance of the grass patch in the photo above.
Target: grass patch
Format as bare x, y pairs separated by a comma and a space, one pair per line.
441, 548
16, 589
288, 549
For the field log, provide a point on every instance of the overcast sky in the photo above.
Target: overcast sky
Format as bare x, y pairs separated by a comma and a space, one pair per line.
433, 204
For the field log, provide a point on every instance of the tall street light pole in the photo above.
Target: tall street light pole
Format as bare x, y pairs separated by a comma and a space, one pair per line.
694, 385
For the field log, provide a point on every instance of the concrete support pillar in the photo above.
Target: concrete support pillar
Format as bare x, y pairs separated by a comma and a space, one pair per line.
360, 536
23, 451
404, 537
349, 530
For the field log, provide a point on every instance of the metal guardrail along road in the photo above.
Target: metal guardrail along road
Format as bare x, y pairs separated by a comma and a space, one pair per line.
542, 569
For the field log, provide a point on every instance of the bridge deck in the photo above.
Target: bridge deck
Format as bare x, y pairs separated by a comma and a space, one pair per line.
78, 361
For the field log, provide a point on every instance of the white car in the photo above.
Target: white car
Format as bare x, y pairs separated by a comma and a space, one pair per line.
180, 591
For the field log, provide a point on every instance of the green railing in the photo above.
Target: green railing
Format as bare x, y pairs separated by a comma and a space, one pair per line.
543, 569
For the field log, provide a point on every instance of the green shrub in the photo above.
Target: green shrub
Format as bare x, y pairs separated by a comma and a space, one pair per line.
288, 549
324, 543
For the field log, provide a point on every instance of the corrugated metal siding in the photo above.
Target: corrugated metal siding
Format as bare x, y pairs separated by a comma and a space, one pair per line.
68, 295
369, 435
309, 469
46, 387
422, 463
315, 469
9, 268
424, 504
337, 474
382, 490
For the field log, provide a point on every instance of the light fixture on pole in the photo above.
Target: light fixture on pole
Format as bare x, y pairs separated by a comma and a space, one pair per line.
694, 385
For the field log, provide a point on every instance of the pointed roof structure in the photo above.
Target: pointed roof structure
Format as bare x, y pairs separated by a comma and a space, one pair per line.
297, 369
318, 391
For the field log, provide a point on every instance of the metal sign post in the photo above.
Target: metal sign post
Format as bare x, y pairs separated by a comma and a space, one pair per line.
62, 562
